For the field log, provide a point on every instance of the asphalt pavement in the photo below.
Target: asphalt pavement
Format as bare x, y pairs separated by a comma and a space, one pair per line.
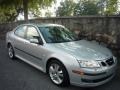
17, 75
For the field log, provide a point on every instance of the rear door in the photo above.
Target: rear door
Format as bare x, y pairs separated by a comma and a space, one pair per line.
19, 40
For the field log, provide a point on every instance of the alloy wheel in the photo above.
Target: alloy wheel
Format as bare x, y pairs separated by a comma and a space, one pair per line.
56, 73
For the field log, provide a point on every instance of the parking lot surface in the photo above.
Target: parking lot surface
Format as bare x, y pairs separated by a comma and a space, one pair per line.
17, 75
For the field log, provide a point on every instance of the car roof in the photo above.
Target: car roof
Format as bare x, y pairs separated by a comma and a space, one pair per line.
42, 24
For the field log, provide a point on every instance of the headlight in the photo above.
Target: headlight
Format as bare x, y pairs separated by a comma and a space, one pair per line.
89, 64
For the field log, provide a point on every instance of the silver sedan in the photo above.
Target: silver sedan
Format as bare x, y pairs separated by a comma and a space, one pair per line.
58, 52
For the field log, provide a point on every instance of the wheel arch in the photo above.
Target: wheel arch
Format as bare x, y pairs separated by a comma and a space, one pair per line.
49, 60
8, 44
56, 59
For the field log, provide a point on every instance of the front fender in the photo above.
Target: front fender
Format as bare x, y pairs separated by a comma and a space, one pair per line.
67, 60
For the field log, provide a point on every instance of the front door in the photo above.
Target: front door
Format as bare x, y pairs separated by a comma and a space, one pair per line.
35, 52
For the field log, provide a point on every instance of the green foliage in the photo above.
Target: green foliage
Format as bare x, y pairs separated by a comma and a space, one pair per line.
10, 9
101, 5
6, 13
111, 7
86, 7
66, 8
108, 7
48, 14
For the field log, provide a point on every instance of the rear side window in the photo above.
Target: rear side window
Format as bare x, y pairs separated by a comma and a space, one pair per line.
20, 31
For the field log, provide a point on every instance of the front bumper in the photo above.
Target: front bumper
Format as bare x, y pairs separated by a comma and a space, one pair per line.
95, 77
91, 84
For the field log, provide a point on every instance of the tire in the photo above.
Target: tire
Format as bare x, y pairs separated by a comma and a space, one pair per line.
11, 52
58, 73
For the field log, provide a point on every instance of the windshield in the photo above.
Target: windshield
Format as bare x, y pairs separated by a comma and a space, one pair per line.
57, 34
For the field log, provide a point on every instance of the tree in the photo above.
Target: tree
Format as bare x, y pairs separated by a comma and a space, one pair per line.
101, 5
111, 7
86, 7
19, 6
108, 7
66, 8
48, 13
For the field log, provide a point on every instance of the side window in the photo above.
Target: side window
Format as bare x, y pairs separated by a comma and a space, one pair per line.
20, 31
31, 31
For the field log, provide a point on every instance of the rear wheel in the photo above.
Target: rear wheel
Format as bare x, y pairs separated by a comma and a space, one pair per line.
11, 51
58, 73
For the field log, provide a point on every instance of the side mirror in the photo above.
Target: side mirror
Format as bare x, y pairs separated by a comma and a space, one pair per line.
34, 40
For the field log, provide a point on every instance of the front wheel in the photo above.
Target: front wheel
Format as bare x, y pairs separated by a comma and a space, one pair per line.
58, 73
11, 52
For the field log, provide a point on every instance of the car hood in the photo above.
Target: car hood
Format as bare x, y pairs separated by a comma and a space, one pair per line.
82, 50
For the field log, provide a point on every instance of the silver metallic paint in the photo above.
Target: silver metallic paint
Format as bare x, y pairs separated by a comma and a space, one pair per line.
68, 53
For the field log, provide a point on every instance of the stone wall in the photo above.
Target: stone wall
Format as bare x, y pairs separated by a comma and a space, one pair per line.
105, 29
101, 24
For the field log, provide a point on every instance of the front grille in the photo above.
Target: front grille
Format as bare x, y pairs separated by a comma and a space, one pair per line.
108, 62
103, 64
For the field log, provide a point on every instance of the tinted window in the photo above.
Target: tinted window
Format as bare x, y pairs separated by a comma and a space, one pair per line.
31, 31
20, 31
57, 34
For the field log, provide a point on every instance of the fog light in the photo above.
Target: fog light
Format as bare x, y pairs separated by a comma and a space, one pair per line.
78, 72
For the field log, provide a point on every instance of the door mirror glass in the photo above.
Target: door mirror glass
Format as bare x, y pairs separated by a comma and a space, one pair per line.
39, 39
34, 40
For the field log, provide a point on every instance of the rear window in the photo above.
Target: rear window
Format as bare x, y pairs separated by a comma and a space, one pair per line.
20, 31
